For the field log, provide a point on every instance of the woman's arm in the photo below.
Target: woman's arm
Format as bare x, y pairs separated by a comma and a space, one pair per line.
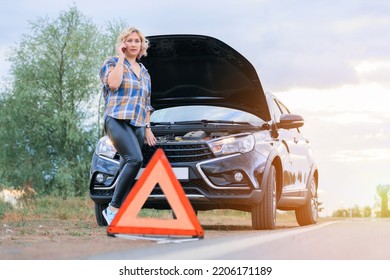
149, 136
115, 77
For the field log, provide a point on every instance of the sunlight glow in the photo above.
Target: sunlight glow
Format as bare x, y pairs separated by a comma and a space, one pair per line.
362, 155
369, 66
349, 117
361, 103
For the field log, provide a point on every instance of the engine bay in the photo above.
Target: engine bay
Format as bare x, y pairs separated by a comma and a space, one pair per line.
195, 135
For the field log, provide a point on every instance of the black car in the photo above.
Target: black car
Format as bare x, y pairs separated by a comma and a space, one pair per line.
230, 144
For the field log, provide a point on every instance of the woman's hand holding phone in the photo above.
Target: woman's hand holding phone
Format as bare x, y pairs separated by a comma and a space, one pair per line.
120, 49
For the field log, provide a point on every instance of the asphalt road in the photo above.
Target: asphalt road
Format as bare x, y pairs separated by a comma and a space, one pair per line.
355, 239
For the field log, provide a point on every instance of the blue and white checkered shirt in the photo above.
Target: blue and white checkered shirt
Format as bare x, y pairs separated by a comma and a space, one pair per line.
132, 100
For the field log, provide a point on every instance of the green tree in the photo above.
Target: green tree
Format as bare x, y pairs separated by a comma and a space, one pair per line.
356, 212
340, 213
47, 116
112, 30
367, 212
383, 193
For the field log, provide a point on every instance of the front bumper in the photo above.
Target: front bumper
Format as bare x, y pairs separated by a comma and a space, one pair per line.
209, 184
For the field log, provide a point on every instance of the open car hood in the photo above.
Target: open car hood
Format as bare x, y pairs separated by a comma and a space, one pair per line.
201, 70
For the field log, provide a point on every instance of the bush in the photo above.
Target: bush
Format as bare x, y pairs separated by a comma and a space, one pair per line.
4, 207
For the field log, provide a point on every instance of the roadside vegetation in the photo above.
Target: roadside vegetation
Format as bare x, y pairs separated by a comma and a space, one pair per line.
50, 104
56, 218
51, 217
52, 208
48, 208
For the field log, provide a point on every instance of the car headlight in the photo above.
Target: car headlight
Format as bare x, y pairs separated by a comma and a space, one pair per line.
105, 148
231, 145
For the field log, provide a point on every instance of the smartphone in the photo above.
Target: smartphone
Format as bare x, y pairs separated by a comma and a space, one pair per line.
123, 49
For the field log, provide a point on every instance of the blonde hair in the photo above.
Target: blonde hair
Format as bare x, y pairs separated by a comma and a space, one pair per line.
144, 42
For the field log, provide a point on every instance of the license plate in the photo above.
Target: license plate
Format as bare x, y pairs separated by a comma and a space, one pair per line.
180, 172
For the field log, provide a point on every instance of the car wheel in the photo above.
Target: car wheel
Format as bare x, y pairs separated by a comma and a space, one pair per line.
264, 213
99, 215
308, 214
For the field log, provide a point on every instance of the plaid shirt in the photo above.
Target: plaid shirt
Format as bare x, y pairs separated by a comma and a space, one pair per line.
131, 101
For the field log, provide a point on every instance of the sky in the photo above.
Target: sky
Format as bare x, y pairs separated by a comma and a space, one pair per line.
327, 60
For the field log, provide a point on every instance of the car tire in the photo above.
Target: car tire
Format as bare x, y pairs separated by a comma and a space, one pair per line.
264, 213
308, 214
101, 221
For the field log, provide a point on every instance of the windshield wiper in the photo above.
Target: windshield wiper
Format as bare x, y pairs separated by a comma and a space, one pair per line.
160, 123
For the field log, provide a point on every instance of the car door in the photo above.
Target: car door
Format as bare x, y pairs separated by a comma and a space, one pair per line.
297, 168
299, 155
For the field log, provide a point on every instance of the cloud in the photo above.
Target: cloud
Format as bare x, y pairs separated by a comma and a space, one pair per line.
374, 71
291, 43
356, 117
316, 45
362, 155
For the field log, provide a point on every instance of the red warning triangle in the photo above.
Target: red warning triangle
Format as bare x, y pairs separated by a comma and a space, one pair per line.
158, 171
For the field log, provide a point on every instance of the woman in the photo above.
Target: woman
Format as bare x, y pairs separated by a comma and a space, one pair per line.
127, 89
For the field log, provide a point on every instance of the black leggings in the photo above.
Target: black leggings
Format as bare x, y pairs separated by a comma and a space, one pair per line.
128, 140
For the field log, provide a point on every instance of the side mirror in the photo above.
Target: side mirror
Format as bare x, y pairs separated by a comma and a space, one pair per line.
289, 121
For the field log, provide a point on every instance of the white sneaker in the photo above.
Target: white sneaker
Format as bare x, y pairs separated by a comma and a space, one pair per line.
109, 215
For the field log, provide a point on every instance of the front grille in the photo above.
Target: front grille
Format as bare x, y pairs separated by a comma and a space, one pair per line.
108, 193
199, 187
180, 152
192, 190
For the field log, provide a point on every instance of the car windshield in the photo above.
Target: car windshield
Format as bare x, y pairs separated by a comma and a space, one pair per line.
204, 113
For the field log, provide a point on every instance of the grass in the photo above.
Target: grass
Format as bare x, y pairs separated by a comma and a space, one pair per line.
53, 217
82, 208
49, 208
48, 217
